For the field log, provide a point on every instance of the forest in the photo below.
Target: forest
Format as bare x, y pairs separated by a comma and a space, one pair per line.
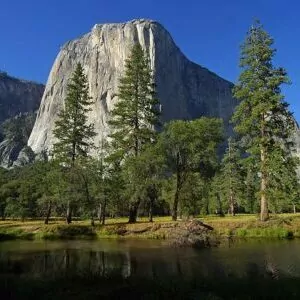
182, 169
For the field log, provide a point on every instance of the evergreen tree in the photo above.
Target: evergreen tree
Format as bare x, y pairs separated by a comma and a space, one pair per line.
144, 175
283, 192
251, 195
262, 114
73, 134
136, 113
4, 178
231, 177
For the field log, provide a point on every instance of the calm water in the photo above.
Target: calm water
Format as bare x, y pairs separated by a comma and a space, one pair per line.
277, 260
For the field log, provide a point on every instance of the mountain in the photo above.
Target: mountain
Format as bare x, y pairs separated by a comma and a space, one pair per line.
186, 90
19, 100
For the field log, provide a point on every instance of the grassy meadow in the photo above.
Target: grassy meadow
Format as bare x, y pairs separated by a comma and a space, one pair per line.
282, 226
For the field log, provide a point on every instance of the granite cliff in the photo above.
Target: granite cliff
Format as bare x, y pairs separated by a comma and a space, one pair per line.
186, 90
19, 99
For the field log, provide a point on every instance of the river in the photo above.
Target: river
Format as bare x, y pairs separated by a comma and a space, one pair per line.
274, 260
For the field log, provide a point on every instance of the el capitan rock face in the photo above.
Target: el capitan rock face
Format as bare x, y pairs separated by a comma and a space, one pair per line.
185, 89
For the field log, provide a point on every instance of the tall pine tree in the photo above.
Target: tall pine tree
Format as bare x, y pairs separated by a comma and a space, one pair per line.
73, 134
262, 115
136, 113
231, 178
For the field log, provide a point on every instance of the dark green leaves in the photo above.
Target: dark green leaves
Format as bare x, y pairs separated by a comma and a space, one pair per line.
73, 133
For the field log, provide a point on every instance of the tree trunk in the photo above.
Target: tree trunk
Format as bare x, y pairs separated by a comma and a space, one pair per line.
92, 220
151, 208
220, 209
69, 214
232, 209
294, 208
48, 213
99, 214
175, 205
133, 211
207, 207
264, 211
2, 213
176, 198
151, 212
231, 198
103, 213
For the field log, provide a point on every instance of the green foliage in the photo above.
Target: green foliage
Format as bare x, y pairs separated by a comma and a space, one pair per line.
142, 171
229, 183
18, 129
190, 146
271, 232
136, 113
74, 139
144, 174
71, 129
262, 117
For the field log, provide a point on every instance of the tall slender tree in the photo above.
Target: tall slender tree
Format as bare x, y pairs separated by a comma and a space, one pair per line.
136, 114
72, 131
262, 115
231, 179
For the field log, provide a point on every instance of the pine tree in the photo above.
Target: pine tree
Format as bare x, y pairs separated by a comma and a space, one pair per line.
284, 182
144, 175
136, 113
231, 177
73, 134
251, 195
262, 115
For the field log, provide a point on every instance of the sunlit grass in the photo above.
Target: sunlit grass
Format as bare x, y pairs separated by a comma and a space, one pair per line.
245, 226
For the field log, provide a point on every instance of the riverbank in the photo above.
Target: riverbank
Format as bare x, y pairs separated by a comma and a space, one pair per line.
285, 226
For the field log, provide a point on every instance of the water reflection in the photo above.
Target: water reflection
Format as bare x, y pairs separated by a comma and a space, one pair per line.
150, 259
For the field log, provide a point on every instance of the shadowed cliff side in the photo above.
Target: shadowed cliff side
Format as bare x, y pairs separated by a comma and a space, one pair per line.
19, 99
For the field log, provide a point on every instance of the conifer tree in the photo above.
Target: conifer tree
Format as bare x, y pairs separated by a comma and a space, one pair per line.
73, 134
262, 115
136, 113
231, 177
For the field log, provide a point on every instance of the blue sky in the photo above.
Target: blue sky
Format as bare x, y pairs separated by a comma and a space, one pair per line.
208, 32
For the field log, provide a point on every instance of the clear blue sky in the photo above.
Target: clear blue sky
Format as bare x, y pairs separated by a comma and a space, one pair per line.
209, 32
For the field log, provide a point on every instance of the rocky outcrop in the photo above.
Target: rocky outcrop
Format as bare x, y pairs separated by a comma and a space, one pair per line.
16, 131
18, 98
185, 89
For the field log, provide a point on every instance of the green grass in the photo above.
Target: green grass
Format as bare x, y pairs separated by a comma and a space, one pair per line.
273, 232
284, 226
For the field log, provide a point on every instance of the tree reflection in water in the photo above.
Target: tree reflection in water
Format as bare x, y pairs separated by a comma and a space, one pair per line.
253, 260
